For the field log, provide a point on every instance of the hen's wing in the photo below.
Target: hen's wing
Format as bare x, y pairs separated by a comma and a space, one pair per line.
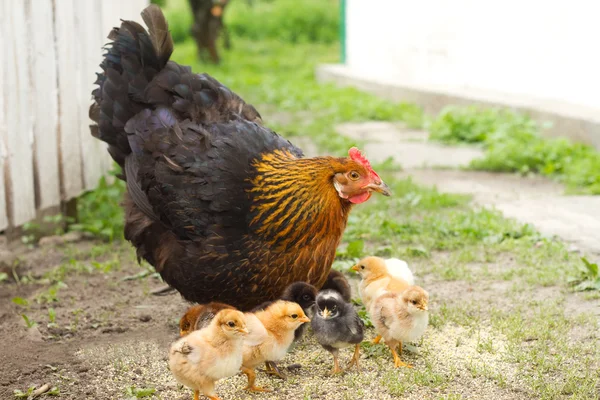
195, 175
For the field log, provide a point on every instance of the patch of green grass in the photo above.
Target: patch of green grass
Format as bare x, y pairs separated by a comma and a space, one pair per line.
399, 383
588, 277
99, 212
538, 342
29, 323
139, 393
513, 143
316, 21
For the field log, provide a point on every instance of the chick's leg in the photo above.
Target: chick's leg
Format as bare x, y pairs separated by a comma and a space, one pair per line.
377, 339
397, 361
272, 369
196, 395
251, 379
355, 357
336, 365
208, 388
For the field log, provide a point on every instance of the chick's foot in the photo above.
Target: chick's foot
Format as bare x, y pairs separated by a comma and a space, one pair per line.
271, 368
251, 380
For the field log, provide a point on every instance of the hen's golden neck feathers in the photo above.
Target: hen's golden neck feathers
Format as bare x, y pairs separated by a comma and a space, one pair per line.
294, 200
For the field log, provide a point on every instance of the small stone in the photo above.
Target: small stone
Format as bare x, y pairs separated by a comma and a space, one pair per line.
137, 371
34, 334
145, 318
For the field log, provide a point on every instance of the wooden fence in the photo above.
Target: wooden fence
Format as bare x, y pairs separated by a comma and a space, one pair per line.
51, 50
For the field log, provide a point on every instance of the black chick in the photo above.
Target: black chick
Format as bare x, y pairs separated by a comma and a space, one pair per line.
338, 282
336, 325
299, 292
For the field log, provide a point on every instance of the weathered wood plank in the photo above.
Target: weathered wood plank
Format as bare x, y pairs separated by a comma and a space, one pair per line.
68, 65
45, 103
3, 131
19, 134
88, 25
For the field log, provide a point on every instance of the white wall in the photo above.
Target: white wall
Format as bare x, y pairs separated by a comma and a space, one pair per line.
541, 49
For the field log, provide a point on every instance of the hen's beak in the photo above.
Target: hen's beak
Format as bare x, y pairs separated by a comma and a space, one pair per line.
380, 188
354, 268
325, 313
304, 319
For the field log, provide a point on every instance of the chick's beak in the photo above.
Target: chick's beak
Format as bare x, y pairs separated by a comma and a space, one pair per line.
243, 331
325, 313
424, 307
380, 187
304, 319
354, 268
182, 332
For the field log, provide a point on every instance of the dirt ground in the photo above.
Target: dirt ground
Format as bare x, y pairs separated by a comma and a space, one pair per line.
110, 335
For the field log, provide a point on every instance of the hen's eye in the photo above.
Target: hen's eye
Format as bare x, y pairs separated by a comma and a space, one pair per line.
231, 324
354, 175
294, 316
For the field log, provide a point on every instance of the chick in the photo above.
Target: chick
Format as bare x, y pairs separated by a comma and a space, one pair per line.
399, 268
336, 325
202, 357
375, 276
338, 282
303, 294
280, 319
199, 316
400, 317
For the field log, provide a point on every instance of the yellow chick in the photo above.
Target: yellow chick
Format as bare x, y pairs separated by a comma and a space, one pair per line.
400, 317
375, 276
280, 319
202, 357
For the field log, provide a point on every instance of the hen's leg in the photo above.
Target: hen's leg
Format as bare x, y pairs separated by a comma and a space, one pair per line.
251, 379
355, 357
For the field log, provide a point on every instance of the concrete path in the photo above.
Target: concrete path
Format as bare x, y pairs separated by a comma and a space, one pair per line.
538, 201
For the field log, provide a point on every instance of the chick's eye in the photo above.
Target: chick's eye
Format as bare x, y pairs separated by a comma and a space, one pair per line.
362, 267
414, 302
306, 297
231, 324
294, 316
354, 175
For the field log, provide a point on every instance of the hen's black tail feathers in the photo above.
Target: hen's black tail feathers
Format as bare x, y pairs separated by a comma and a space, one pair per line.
132, 60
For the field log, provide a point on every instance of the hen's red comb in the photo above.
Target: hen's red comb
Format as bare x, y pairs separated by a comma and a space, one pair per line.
357, 156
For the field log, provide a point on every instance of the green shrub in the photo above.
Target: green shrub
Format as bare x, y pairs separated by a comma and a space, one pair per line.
291, 21
180, 18
513, 143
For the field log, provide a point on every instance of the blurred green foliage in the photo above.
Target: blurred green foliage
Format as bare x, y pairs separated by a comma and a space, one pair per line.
99, 212
290, 21
513, 143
